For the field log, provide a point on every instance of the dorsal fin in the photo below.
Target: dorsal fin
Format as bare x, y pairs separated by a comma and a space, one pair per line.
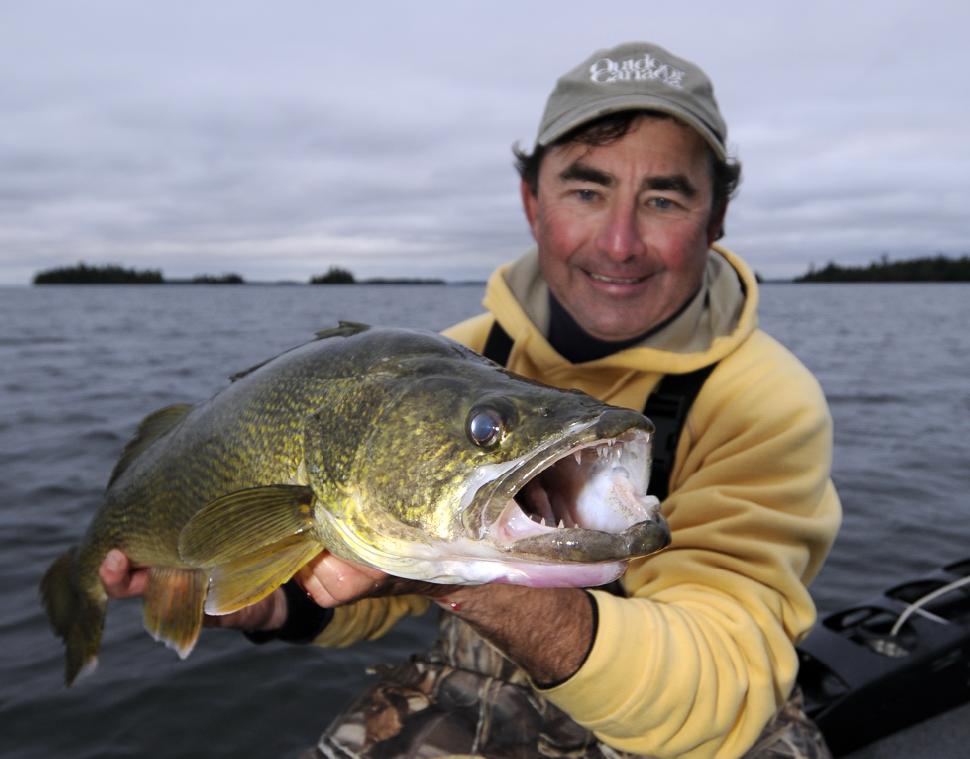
240, 374
151, 428
343, 329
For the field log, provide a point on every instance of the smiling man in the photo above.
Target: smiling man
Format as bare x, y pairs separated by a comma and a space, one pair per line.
625, 296
623, 228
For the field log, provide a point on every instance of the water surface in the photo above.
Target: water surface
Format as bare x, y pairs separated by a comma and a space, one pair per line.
82, 365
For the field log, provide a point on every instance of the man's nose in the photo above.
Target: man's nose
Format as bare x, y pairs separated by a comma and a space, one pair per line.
620, 237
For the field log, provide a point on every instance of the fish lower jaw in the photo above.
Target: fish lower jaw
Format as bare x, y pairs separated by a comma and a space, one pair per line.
617, 536
465, 561
532, 574
474, 562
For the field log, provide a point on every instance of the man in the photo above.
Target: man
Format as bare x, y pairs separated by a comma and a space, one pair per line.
625, 194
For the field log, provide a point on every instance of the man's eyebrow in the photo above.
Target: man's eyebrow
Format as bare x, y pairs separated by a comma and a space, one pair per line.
579, 171
676, 182
583, 173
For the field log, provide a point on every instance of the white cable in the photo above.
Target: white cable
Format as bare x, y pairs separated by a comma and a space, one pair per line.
907, 613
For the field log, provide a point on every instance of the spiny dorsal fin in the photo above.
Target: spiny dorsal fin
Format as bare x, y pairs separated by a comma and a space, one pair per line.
243, 522
343, 329
151, 428
240, 374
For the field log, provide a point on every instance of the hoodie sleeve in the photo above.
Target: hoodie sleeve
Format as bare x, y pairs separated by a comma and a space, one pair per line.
701, 655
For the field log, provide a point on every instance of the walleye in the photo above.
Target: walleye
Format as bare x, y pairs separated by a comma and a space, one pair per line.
395, 448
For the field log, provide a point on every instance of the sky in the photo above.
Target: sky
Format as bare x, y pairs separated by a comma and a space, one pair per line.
275, 140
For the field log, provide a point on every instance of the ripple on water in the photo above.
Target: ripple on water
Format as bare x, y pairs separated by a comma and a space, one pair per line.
863, 399
30, 341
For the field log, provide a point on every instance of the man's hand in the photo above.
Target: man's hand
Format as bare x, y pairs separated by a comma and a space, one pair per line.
331, 582
546, 631
120, 579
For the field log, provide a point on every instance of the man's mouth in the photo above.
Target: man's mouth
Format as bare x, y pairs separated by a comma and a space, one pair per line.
615, 280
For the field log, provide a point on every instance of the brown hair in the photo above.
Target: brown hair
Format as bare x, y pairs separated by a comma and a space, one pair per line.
725, 174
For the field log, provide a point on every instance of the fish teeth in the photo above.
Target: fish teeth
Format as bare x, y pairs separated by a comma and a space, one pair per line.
561, 524
543, 521
579, 458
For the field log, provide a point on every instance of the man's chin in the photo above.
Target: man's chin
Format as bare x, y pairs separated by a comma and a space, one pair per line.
615, 330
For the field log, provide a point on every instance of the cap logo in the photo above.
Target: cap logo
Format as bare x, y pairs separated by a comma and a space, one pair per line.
608, 71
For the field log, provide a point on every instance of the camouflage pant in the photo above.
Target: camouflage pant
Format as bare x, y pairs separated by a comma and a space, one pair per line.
466, 699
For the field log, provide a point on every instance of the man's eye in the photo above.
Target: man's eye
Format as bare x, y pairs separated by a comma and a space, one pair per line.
587, 195
663, 204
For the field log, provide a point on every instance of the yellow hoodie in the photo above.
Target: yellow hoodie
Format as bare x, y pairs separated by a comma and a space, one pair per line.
700, 656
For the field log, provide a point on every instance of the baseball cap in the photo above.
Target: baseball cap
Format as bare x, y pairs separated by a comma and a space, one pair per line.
633, 76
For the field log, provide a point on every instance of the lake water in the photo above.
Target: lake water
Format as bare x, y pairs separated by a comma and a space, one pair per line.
80, 366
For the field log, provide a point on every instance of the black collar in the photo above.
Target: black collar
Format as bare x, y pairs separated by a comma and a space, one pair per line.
576, 345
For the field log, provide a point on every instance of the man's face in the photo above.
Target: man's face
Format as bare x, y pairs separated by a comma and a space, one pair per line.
623, 229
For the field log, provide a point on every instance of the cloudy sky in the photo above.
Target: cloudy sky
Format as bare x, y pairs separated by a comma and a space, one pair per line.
277, 139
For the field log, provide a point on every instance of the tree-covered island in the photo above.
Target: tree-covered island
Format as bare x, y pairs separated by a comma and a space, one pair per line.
113, 274
109, 274
337, 275
933, 269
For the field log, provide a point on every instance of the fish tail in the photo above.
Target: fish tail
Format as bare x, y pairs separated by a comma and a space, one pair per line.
76, 614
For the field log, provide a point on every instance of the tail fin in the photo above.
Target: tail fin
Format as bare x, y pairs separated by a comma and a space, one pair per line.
75, 614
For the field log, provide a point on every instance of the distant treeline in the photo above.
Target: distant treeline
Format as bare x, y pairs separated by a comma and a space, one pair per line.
217, 279
338, 276
82, 274
112, 274
334, 276
934, 269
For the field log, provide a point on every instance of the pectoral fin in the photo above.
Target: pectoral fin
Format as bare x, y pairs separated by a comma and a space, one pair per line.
245, 522
173, 606
250, 578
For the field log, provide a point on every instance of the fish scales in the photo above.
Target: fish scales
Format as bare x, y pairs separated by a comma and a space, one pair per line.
394, 448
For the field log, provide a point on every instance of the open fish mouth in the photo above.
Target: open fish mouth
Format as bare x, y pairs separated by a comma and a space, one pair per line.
572, 512
579, 502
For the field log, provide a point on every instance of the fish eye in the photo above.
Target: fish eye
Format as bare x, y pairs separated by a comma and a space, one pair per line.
485, 426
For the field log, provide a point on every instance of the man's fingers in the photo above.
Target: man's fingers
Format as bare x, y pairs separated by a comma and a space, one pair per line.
267, 613
114, 572
332, 581
120, 580
320, 595
329, 581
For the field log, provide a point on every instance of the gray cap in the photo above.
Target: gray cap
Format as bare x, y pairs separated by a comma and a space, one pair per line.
633, 76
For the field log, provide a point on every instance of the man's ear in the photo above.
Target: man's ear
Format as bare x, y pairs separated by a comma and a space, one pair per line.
530, 203
715, 227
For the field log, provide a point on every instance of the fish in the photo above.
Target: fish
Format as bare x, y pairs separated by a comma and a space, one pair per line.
395, 448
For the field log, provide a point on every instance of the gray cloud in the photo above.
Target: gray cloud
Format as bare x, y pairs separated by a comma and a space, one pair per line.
274, 142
